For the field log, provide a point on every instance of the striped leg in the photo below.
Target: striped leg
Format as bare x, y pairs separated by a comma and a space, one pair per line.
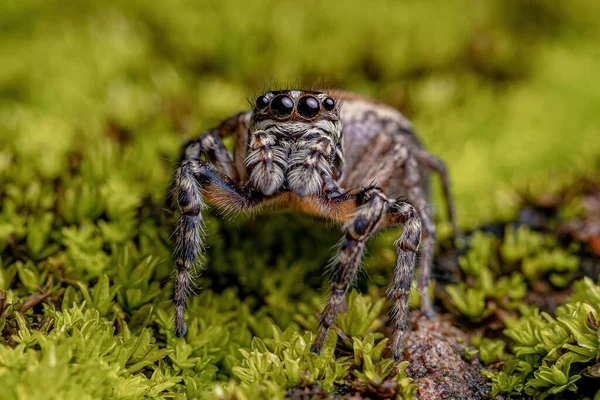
210, 146
416, 196
374, 210
437, 165
193, 181
406, 245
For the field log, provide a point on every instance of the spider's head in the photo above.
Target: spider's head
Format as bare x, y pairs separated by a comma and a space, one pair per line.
293, 113
295, 137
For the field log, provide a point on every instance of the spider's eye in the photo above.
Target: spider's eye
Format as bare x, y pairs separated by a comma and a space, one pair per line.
282, 106
328, 104
262, 102
308, 107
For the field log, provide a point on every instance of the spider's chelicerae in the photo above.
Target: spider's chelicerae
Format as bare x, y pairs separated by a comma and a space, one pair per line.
334, 154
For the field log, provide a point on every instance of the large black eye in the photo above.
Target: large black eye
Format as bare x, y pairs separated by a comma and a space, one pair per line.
262, 102
328, 104
308, 107
282, 106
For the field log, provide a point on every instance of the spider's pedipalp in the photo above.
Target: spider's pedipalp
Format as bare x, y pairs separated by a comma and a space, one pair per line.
309, 164
267, 162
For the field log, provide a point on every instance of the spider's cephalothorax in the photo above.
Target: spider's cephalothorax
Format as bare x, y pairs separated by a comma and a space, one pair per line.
350, 162
294, 139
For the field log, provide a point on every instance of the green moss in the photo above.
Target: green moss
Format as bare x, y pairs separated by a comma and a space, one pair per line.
77, 353
498, 274
553, 352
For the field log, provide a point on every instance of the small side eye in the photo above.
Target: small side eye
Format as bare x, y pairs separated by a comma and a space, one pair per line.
308, 107
328, 104
282, 106
262, 102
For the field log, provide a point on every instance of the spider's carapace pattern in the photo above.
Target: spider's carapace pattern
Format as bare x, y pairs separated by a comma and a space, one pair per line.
334, 154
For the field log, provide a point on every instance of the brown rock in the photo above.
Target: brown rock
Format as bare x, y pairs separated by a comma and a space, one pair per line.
436, 364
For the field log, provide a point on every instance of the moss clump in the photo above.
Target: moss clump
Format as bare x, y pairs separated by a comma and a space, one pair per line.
530, 352
76, 353
554, 353
497, 275
285, 361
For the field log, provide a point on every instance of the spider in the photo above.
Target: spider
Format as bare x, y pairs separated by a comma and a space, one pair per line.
334, 154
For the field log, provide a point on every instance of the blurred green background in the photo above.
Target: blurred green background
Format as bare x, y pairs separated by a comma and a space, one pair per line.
96, 99
505, 92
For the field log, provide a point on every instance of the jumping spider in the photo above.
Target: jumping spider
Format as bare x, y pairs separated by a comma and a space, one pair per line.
348, 161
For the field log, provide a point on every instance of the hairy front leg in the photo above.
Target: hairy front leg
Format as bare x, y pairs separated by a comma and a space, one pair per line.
373, 207
374, 211
193, 181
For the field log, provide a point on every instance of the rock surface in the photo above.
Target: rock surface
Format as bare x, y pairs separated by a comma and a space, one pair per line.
436, 364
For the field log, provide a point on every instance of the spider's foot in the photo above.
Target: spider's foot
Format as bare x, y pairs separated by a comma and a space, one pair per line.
317, 346
315, 349
397, 355
426, 307
396, 344
460, 241
429, 313
180, 330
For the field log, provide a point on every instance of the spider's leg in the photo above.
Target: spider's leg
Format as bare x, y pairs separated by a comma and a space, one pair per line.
437, 165
417, 197
372, 207
374, 211
210, 145
406, 245
194, 180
